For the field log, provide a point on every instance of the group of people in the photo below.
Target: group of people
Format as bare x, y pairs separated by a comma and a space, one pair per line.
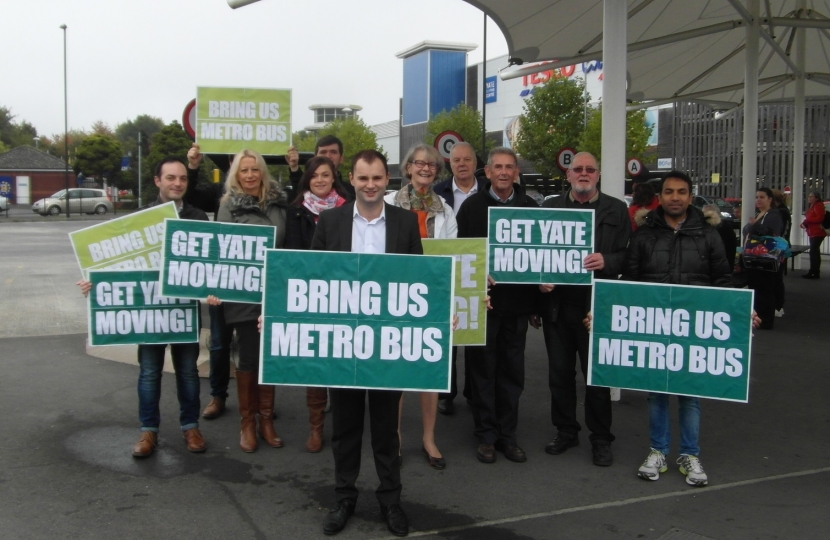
674, 244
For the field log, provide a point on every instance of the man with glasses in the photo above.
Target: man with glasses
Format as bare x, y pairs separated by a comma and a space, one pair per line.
497, 370
563, 307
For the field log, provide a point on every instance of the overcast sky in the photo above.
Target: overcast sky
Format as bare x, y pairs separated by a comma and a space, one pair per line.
131, 57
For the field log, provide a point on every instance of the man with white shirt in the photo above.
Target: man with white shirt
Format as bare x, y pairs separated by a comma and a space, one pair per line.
367, 225
455, 191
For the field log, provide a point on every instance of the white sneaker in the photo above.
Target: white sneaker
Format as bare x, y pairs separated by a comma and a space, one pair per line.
779, 312
654, 464
691, 467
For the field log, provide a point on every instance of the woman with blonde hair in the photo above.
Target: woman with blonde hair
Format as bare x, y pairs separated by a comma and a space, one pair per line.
251, 197
422, 166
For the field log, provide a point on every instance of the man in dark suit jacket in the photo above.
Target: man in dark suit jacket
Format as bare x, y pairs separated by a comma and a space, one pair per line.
367, 225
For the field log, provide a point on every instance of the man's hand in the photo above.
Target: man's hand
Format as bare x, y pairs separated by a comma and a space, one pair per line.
756, 320
194, 157
587, 321
593, 262
293, 158
213, 300
534, 321
85, 286
546, 287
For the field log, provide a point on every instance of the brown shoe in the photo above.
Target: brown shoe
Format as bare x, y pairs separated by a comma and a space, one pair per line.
146, 445
247, 388
316, 401
214, 409
195, 441
266, 417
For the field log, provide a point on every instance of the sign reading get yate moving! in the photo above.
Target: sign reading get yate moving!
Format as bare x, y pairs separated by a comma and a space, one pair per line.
201, 258
674, 339
355, 320
232, 119
540, 245
125, 308
470, 255
127, 243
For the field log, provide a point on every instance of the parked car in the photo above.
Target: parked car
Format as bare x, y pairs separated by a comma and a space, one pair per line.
81, 200
727, 211
4, 204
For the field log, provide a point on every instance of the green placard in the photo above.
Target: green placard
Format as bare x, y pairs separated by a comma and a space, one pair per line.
226, 260
470, 255
675, 339
125, 308
232, 119
127, 243
540, 245
357, 321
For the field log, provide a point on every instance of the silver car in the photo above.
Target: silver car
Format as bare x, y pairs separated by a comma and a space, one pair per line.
88, 201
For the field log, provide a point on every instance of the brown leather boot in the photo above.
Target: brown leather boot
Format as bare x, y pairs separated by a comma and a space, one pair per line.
214, 409
266, 416
146, 444
246, 385
316, 401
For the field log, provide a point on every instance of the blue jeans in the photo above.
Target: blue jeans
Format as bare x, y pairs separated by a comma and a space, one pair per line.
659, 425
220, 352
151, 362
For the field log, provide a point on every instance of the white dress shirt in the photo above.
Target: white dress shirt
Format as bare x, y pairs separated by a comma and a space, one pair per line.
369, 236
458, 196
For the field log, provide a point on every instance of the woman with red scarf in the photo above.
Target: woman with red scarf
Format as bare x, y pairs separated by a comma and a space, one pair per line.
317, 191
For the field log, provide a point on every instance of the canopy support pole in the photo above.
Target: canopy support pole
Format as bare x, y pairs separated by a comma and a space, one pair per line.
614, 43
798, 130
750, 146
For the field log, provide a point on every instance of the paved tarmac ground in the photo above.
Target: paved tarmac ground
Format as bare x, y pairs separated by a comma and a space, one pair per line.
70, 421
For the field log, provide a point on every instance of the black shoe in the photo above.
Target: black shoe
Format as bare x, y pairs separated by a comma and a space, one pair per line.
339, 515
396, 520
486, 453
602, 453
437, 463
446, 406
810, 276
512, 452
560, 444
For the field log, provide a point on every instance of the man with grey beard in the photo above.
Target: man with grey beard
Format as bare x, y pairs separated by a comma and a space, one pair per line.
563, 307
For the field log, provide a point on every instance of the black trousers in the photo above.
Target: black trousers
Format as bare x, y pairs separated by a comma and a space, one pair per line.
565, 339
454, 379
815, 254
497, 374
248, 339
348, 408
764, 283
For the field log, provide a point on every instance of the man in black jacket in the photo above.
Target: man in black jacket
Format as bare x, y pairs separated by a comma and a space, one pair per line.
497, 370
676, 246
367, 225
563, 308
455, 191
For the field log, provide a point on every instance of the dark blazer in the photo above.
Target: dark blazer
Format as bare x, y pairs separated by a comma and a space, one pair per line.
334, 230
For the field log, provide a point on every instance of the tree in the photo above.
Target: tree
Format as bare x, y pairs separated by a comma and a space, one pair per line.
356, 136
55, 145
172, 140
99, 156
553, 119
99, 127
636, 134
127, 134
464, 120
3, 147
14, 134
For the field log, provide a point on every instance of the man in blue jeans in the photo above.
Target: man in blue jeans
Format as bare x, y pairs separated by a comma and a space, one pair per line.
171, 180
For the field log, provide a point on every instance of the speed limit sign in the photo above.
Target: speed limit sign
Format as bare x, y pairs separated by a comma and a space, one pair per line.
564, 158
445, 141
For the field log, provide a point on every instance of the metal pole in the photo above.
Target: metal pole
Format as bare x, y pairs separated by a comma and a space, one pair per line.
65, 126
798, 130
139, 171
484, 96
750, 156
614, 43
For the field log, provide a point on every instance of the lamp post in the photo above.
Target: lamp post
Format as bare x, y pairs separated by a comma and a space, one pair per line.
65, 126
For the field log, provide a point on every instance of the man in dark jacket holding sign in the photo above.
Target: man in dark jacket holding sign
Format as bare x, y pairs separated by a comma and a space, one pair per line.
498, 369
676, 246
564, 307
367, 225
